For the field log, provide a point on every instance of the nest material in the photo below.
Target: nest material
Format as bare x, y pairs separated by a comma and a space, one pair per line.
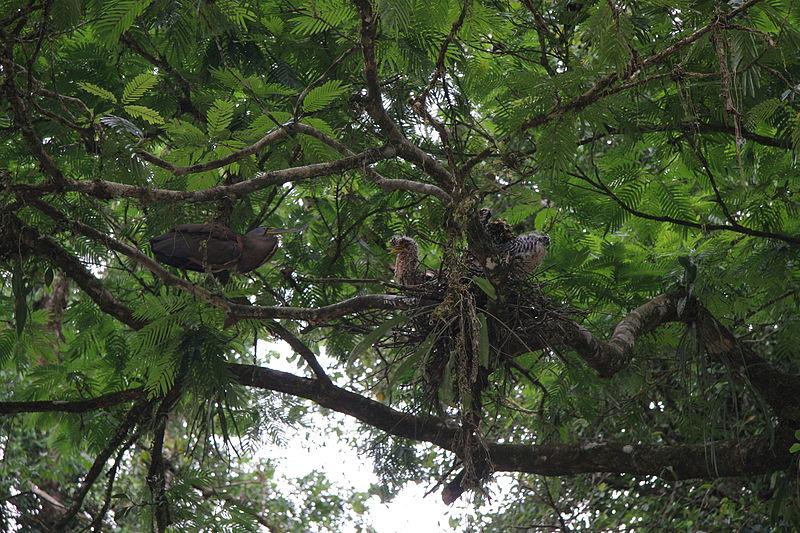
521, 318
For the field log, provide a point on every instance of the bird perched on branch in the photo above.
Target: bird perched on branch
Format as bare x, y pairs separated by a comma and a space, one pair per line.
215, 248
524, 252
406, 266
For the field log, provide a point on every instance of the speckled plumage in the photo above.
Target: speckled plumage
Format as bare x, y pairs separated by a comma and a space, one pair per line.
524, 252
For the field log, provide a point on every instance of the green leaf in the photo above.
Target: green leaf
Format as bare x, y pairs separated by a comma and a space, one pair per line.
319, 97
372, 337
410, 364
220, 116
139, 85
486, 286
144, 113
118, 18
97, 91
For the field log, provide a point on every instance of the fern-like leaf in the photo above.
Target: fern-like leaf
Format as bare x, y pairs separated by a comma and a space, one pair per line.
220, 116
118, 18
320, 97
136, 88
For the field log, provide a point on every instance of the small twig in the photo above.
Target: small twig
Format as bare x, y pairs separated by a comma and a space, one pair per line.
601, 187
322, 77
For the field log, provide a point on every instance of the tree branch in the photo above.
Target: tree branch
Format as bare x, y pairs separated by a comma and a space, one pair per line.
281, 132
32, 240
598, 90
236, 311
755, 455
305, 352
73, 406
737, 228
695, 128
375, 108
108, 189
384, 183
749, 456
608, 358
738, 457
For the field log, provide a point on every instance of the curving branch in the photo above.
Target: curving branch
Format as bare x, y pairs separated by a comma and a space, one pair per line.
377, 112
779, 389
386, 184
110, 189
281, 132
608, 358
734, 458
417, 427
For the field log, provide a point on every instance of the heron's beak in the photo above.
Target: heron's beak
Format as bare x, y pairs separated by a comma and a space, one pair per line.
394, 251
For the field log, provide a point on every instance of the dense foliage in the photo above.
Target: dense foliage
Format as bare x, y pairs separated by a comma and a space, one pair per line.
643, 377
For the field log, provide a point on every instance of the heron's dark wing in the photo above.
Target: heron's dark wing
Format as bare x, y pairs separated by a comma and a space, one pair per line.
256, 249
198, 247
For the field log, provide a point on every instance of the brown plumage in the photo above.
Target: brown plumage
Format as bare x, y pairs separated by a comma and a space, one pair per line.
215, 248
406, 266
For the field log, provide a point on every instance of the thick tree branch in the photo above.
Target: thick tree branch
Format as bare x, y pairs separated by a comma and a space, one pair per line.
756, 455
610, 357
109, 189
780, 390
373, 413
751, 456
738, 457
73, 406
